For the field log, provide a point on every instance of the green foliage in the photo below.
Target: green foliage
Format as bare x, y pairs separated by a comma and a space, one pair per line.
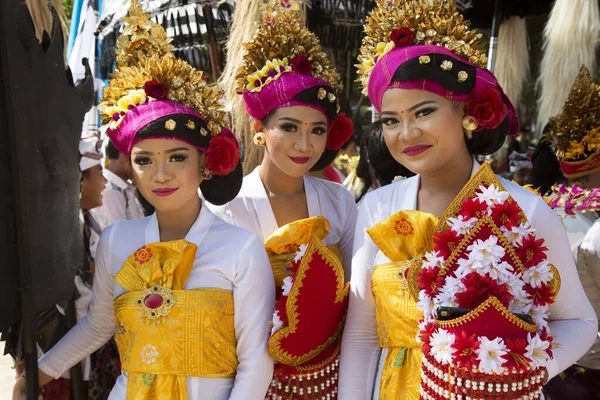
68, 5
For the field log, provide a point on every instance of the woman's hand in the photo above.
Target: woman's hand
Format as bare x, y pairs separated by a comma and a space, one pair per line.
20, 389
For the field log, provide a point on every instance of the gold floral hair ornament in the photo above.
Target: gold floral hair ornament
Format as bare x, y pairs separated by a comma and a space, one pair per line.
148, 70
283, 44
395, 23
577, 128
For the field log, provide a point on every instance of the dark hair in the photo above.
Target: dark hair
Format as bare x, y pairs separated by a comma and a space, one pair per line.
376, 163
483, 142
546, 170
111, 151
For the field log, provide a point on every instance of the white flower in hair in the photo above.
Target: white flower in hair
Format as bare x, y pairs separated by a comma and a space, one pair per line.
287, 285
491, 195
538, 274
277, 322
460, 225
441, 346
486, 251
536, 351
516, 234
490, 353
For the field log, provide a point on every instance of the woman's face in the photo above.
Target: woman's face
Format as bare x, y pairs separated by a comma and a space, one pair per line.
92, 186
167, 172
295, 138
422, 130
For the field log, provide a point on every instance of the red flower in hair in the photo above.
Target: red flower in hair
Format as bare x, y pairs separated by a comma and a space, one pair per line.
507, 214
430, 281
541, 296
544, 335
155, 89
464, 350
473, 208
402, 37
479, 289
302, 65
515, 355
340, 131
531, 251
425, 336
489, 110
445, 243
223, 155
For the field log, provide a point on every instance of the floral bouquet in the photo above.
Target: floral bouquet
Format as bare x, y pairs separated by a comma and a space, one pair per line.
487, 261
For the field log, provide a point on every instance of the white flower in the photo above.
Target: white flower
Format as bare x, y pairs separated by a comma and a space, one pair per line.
432, 260
539, 315
490, 354
441, 346
465, 267
502, 272
149, 354
460, 225
516, 234
448, 292
536, 351
300, 253
538, 275
424, 304
521, 302
277, 322
491, 195
486, 251
288, 281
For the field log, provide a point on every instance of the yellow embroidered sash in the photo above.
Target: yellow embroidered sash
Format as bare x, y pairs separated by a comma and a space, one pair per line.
165, 333
403, 237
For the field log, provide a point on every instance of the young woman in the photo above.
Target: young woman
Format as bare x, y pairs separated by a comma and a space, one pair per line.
494, 252
307, 223
187, 296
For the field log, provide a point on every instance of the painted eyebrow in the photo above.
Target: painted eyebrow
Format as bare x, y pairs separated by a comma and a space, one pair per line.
299, 122
149, 153
411, 108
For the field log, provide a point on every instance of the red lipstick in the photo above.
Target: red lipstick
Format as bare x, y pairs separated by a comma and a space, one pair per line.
300, 160
164, 192
416, 150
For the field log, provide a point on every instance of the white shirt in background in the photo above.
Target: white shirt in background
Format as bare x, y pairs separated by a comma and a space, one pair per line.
119, 201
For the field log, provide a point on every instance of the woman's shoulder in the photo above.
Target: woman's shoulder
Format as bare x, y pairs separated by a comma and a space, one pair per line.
530, 202
385, 200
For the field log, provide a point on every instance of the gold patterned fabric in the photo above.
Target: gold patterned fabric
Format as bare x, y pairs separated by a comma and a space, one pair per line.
165, 333
405, 236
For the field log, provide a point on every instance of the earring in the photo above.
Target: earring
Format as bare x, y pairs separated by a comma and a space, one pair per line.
259, 139
469, 123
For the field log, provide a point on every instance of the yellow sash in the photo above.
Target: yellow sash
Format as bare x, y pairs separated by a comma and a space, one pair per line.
183, 333
402, 237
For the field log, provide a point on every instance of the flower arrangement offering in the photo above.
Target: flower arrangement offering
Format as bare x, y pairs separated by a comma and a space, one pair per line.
572, 199
486, 261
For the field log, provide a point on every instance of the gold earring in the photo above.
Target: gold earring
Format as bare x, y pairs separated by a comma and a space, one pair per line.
259, 139
469, 123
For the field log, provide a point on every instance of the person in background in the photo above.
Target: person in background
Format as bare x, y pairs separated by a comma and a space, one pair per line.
519, 165
120, 199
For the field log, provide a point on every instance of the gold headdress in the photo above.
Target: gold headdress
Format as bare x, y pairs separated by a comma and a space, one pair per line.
144, 54
430, 23
280, 37
577, 127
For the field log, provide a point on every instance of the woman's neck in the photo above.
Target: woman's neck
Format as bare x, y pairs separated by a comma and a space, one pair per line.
175, 225
277, 182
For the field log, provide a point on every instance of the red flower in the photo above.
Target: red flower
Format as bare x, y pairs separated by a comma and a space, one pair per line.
541, 296
302, 65
490, 111
544, 335
445, 243
515, 356
464, 350
425, 336
479, 289
340, 131
531, 251
155, 89
473, 208
223, 155
402, 37
507, 214
430, 281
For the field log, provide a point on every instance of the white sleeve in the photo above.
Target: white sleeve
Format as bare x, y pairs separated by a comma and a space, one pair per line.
347, 240
254, 299
113, 206
573, 321
98, 325
360, 343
